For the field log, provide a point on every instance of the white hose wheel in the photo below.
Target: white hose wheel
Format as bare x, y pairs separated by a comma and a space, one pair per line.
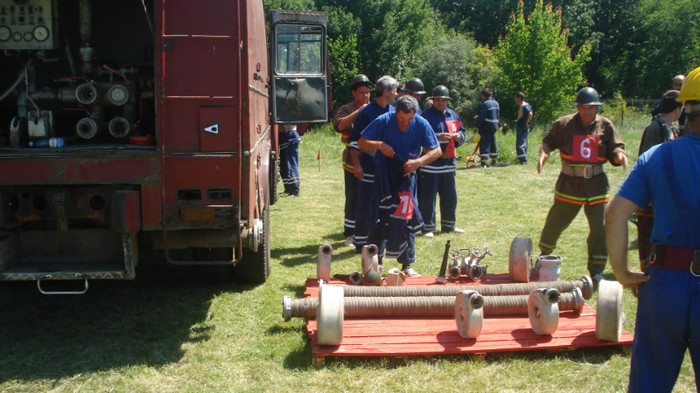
520, 259
609, 314
469, 314
544, 316
329, 317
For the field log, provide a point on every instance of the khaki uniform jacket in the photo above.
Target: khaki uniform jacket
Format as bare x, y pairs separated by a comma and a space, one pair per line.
581, 146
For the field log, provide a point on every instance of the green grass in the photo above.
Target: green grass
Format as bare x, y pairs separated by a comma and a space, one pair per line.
174, 330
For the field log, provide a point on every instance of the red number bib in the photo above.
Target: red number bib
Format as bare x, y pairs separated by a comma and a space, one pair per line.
405, 209
585, 148
453, 127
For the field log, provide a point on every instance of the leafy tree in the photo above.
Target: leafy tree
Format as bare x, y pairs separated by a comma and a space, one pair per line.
456, 61
343, 35
534, 58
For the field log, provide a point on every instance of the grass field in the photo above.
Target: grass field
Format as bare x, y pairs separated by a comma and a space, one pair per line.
175, 330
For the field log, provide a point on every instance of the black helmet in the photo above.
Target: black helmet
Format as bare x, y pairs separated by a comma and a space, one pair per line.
587, 96
413, 86
360, 80
441, 91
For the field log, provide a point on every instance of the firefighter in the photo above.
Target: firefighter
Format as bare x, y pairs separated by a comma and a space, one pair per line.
397, 138
343, 122
289, 140
486, 124
414, 88
585, 141
438, 177
668, 310
362, 160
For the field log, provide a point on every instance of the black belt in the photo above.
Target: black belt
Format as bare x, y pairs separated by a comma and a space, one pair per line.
584, 171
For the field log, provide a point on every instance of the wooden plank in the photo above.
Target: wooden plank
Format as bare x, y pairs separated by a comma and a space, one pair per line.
400, 337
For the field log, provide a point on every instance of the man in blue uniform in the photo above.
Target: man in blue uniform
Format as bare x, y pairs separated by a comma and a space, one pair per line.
414, 88
289, 140
487, 125
439, 176
668, 310
399, 136
343, 122
362, 162
522, 127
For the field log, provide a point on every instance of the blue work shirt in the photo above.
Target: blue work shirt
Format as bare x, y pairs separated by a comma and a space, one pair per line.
406, 144
489, 114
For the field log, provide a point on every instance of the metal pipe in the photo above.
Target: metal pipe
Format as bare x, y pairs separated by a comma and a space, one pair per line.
423, 306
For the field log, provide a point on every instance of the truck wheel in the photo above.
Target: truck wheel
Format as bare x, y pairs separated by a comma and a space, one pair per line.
254, 268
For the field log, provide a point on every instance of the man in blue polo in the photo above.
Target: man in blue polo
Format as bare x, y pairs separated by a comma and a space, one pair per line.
668, 309
399, 138
487, 124
439, 176
362, 162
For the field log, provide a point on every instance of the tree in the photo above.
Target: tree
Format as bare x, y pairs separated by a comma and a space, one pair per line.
534, 58
344, 57
456, 61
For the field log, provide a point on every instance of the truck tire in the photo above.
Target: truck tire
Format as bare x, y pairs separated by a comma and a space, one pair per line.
254, 267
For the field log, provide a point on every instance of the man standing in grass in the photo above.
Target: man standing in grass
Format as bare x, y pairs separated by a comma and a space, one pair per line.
585, 141
438, 177
342, 122
522, 127
399, 136
362, 162
668, 310
487, 124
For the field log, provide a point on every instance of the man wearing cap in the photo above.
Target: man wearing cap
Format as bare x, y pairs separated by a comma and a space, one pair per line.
343, 122
668, 310
362, 160
585, 141
487, 124
438, 177
662, 129
676, 85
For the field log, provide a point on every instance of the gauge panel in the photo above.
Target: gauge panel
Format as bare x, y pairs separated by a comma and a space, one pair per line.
26, 25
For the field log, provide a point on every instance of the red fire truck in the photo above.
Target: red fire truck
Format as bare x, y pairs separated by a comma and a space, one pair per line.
134, 125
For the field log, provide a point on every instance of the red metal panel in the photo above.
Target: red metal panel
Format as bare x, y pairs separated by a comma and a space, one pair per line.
151, 211
201, 17
218, 130
201, 172
200, 67
73, 170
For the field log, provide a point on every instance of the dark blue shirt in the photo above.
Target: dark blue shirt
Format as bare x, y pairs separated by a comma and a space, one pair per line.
489, 114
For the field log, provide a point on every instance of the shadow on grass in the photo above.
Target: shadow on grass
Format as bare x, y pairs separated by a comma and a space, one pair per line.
116, 324
302, 254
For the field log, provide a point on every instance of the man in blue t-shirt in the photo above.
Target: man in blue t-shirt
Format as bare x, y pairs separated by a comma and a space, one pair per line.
400, 136
668, 310
522, 127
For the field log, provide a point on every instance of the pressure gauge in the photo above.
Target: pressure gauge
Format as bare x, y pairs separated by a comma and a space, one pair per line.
5, 33
28, 36
17, 36
41, 33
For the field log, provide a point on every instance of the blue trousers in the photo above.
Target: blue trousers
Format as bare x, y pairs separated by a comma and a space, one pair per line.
521, 143
668, 323
364, 210
352, 185
433, 184
487, 145
289, 167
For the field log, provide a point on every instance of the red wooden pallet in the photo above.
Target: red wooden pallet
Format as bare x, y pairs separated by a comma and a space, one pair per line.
402, 337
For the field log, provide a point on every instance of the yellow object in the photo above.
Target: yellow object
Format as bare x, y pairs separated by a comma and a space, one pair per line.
474, 138
691, 87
